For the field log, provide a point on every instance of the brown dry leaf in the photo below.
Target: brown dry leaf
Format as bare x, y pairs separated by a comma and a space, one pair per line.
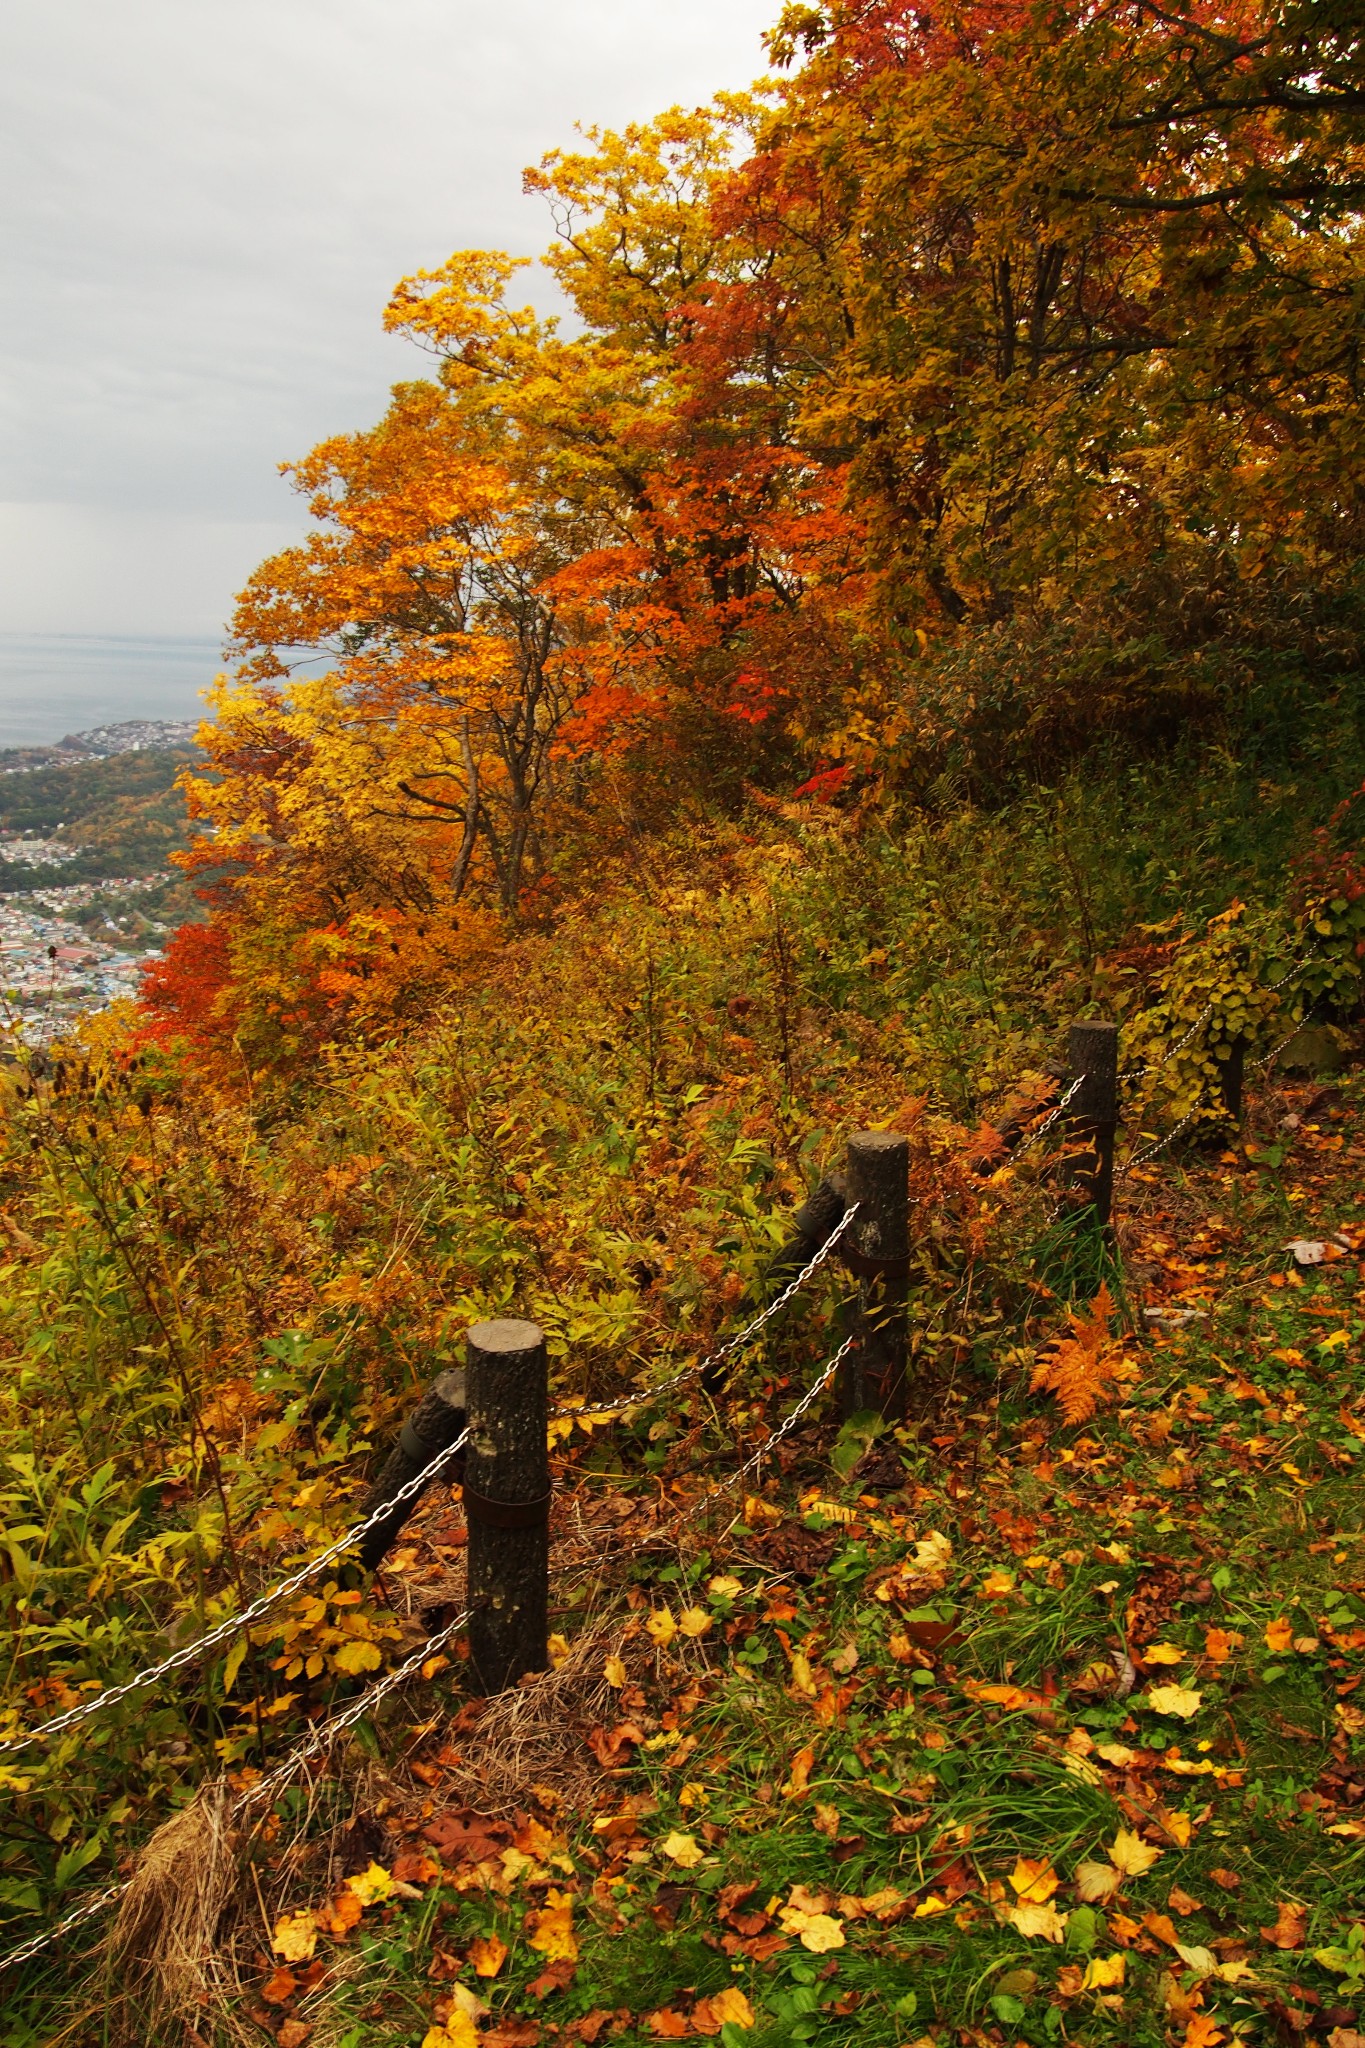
554, 1978
293, 2034
798, 1783
487, 1954
826, 1820
668, 2025
517, 2034
1291, 1926
1226, 1880
1181, 1902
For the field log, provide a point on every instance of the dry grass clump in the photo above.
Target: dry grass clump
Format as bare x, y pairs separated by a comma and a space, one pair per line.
534, 1737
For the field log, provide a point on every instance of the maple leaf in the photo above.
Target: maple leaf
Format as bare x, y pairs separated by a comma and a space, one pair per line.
295, 1937
1131, 1854
1097, 1881
1203, 2031
683, 1850
1080, 1369
723, 2008
614, 1671
661, 1627
1034, 1879
550, 1931
1037, 1922
1279, 1635
371, 1885
694, 1621
279, 1987
668, 2025
458, 2031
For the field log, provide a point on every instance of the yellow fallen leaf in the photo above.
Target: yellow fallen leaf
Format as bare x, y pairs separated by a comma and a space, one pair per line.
731, 2007
1162, 1653
682, 1850
372, 1885
661, 1627
694, 1621
926, 1908
550, 1932
724, 1588
996, 1585
1180, 1700
1096, 1882
803, 1680
933, 1552
558, 1648
1278, 1635
821, 1933
459, 2031
1131, 1854
295, 1937
1116, 1753
614, 1671
1104, 1973
1034, 1879
1037, 1922
487, 1954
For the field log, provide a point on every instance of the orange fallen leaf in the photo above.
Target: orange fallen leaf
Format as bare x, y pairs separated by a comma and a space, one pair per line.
1203, 2031
668, 2025
1034, 1879
488, 1955
798, 1783
1291, 1926
280, 1987
1278, 1635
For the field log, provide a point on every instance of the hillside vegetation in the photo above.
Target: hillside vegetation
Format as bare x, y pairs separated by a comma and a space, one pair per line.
919, 605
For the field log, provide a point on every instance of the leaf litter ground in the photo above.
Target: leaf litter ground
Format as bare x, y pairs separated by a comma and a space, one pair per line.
1019, 1733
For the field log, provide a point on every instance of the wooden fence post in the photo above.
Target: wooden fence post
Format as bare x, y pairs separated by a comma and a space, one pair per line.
1093, 1052
1232, 1077
877, 1179
435, 1422
507, 1502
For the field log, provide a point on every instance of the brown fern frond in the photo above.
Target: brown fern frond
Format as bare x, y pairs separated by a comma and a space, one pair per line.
1079, 1370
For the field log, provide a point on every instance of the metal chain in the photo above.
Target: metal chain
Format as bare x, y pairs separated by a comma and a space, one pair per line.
1151, 1151
236, 1622
1155, 1066
85, 1912
750, 1330
784, 1428
1048, 1121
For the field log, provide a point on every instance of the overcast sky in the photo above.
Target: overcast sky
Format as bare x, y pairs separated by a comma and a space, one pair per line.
203, 207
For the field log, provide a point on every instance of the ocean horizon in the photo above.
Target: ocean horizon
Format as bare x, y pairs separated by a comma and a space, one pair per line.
52, 684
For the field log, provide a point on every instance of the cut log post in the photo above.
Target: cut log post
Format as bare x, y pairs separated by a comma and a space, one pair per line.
877, 1179
435, 1422
507, 1503
1093, 1051
1232, 1077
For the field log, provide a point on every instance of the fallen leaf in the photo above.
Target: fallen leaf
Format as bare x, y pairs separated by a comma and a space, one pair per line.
487, 1954
1163, 1653
798, 1783
293, 2034
1203, 2031
614, 1671
1291, 1926
1104, 1973
1202, 1961
996, 1585
468, 2001
550, 1931
280, 1987
694, 1621
554, 1977
1096, 1882
1181, 1902
826, 1820
1180, 1700
668, 2025
1217, 1645
1037, 1922
1226, 1880
723, 2008
458, 2031
821, 1933
372, 1885
1034, 1879
1278, 1635
340, 1914
726, 1588
682, 1850
295, 1937
1131, 1854
661, 1627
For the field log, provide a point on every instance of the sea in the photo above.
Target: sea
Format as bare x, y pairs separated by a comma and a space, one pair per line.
52, 684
